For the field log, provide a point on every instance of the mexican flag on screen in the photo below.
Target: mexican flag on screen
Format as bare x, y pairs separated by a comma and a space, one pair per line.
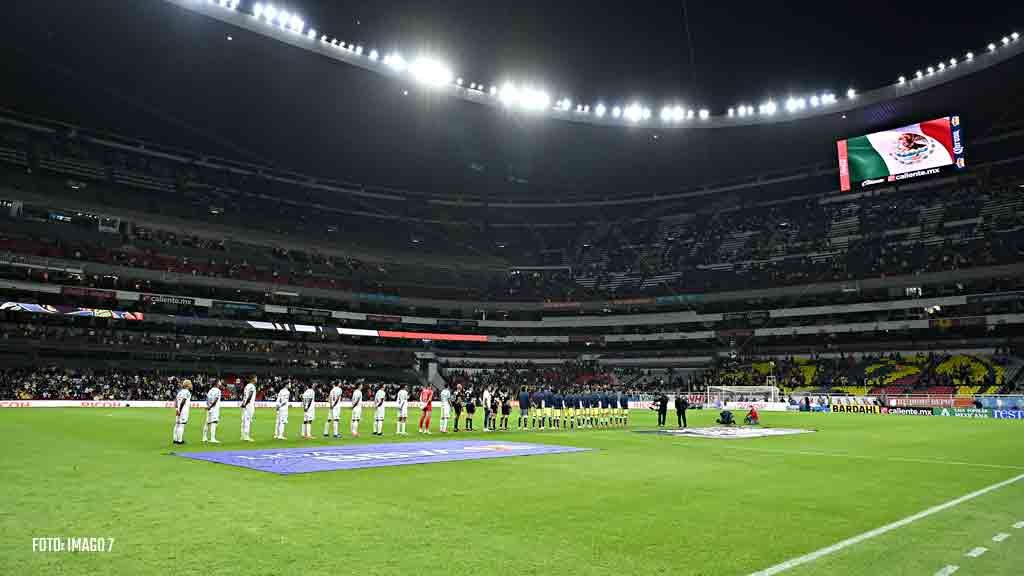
883, 154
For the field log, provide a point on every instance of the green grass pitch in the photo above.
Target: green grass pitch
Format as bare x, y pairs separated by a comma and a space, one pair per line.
638, 504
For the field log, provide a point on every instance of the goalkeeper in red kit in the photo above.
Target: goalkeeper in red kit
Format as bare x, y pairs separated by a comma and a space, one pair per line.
426, 399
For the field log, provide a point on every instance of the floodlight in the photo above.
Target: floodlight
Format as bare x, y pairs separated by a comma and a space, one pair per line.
374, 55
600, 110
429, 71
704, 114
616, 112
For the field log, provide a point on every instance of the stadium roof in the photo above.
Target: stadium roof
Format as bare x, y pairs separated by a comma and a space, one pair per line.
170, 75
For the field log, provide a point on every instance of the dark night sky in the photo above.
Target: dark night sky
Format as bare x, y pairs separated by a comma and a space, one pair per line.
623, 49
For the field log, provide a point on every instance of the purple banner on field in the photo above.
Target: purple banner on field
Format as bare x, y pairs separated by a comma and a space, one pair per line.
327, 458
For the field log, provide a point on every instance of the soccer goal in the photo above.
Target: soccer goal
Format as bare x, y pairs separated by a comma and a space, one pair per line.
726, 396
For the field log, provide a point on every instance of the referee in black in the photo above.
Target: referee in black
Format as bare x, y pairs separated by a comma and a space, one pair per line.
661, 405
681, 405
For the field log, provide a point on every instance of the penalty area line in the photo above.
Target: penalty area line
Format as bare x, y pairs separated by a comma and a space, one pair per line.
811, 557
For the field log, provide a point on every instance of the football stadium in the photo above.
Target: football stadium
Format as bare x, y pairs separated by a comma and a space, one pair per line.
303, 287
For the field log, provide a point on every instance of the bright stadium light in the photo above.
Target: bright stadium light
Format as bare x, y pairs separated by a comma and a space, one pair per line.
919, 74
704, 114
902, 80
396, 62
732, 112
791, 105
828, 98
616, 112
851, 93
534, 99
991, 47
374, 55
359, 50
969, 56
283, 18
311, 34
942, 66
459, 81
678, 114
743, 111
494, 90
689, 114
270, 13
430, 71
600, 110
509, 94
647, 114
1015, 36
952, 62
1006, 40
634, 113
257, 10
931, 70
768, 108
666, 114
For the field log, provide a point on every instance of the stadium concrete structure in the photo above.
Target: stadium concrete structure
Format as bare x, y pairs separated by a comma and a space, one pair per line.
512, 236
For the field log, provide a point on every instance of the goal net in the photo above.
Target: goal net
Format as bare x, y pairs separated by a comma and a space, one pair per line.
720, 395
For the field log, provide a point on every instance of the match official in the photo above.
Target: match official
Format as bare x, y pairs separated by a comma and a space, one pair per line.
682, 404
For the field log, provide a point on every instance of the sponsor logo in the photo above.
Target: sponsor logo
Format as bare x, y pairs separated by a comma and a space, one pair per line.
853, 409
907, 411
16, 404
1008, 414
867, 183
158, 299
963, 412
101, 404
915, 174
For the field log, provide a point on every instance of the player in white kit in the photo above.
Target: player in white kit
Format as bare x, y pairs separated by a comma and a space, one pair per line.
334, 410
446, 408
182, 403
308, 412
212, 414
283, 397
403, 409
248, 408
378, 415
357, 409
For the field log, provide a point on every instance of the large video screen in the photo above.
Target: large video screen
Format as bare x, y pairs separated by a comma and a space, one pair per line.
921, 149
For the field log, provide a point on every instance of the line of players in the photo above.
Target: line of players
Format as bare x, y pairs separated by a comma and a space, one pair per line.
538, 410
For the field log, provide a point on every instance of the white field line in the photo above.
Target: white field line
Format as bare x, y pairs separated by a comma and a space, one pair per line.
976, 552
947, 570
1019, 525
864, 457
1000, 537
811, 557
